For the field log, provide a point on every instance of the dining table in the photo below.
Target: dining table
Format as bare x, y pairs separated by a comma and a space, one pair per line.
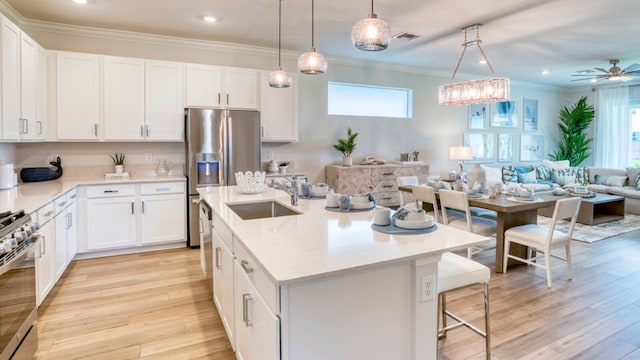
510, 212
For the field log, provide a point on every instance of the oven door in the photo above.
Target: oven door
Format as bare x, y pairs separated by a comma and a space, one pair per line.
18, 306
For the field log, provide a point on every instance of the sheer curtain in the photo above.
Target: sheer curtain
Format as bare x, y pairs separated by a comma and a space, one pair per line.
612, 138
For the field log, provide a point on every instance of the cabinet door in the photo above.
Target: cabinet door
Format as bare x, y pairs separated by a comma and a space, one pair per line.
44, 262
165, 101
10, 81
223, 286
28, 71
111, 222
78, 90
266, 332
41, 94
72, 231
204, 86
123, 98
278, 111
162, 218
241, 87
60, 244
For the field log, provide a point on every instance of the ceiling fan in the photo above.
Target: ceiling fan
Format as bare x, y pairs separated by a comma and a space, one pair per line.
614, 73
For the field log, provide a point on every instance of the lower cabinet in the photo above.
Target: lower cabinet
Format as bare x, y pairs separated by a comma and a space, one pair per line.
111, 221
162, 212
45, 274
223, 284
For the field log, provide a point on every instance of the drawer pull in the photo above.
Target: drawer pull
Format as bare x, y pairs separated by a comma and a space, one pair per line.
111, 191
387, 174
387, 198
387, 186
245, 266
73, 196
63, 203
166, 188
48, 213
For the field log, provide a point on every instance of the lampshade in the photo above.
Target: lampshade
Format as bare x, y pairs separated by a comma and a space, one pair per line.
279, 78
474, 91
371, 33
460, 153
312, 62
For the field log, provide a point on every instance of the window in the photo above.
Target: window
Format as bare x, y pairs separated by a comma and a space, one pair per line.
366, 100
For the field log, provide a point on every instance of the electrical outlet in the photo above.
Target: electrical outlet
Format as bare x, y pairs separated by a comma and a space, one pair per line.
428, 288
269, 154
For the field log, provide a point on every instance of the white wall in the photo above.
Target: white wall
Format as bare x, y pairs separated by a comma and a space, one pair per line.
432, 131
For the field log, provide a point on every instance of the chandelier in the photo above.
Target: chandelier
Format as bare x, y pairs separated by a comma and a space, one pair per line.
312, 62
371, 33
279, 78
474, 91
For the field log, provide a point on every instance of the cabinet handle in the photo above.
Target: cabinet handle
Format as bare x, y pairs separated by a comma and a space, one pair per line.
62, 204
143, 206
48, 213
261, 131
111, 191
69, 221
218, 250
387, 174
95, 129
245, 266
43, 246
148, 130
201, 226
245, 309
141, 130
227, 99
132, 207
25, 125
387, 198
387, 186
39, 127
163, 188
218, 98
73, 196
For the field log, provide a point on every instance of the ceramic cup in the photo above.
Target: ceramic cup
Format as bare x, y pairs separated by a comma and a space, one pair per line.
332, 199
305, 190
382, 216
344, 202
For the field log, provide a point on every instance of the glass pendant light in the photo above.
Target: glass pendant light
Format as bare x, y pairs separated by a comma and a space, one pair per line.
312, 62
279, 78
371, 33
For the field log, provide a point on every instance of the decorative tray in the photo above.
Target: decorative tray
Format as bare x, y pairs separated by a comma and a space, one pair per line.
585, 195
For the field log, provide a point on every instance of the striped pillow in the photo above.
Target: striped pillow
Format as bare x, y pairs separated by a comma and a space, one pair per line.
636, 185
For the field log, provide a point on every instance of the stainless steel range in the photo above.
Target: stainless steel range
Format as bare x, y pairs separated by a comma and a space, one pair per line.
18, 313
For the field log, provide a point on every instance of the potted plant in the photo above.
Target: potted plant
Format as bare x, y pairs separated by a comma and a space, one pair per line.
346, 146
118, 162
574, 143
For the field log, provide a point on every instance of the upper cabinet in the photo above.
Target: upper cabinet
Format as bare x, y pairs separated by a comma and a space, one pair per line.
123, 97
10, 80
164, 101
278, 111
78, 96
214, 86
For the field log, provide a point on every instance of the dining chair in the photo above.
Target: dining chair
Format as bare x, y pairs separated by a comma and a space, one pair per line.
457, 272
458, 200
404, 181
427, 195
543, 239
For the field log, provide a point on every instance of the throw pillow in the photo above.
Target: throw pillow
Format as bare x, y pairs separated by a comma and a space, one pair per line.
581, 174
636, 185
521, 169
509, 174
527, 178
492, 175
610, 180
560, 164
563, 179
543, 173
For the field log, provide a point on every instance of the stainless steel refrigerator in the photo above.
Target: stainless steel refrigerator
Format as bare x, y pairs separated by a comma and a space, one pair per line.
218, 143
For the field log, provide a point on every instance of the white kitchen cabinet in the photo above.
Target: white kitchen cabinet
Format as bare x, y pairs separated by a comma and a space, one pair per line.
41, 94
223, 275
10, 80
214, 86
123, 96
60, 245
111, 216
78, 96
162, 212
278, 111
45, 274
30, 129
71, 216
164, 101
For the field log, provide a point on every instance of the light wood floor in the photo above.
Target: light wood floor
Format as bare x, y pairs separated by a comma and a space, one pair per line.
157, 306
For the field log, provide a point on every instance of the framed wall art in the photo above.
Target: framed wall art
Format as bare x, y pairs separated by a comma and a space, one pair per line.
478, 116
530, 115
505, 147
483, 145
531, 147
504, 114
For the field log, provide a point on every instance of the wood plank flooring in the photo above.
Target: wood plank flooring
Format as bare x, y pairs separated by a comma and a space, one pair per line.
158, 306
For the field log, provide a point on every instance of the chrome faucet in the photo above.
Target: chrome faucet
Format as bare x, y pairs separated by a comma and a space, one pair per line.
292, 190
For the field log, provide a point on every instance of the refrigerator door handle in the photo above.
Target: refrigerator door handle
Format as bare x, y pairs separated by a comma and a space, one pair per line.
227, 165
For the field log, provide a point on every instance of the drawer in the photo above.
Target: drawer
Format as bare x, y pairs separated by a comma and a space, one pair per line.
61, 203
46, 213
265, 287
384, 174
222, 230
172, 187
387, 198
72, 195
111, 190
385, 186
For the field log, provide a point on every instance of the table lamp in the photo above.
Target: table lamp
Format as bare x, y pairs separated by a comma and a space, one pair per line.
460, 153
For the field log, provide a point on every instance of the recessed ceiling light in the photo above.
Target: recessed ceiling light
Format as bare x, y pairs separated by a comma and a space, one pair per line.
209, 19
545, 72
81, 2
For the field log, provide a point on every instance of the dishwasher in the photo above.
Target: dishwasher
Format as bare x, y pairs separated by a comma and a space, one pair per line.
206, 245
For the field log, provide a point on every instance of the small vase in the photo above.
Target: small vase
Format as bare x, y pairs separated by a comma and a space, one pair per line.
119, 169
347, 161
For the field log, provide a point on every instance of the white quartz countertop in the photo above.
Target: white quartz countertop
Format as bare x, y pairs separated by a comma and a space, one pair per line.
320, 242
32, 196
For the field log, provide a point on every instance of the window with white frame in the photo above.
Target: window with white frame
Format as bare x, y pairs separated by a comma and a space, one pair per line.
367, 100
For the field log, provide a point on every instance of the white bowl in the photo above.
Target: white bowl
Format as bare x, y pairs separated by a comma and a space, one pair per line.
362, 205
415, 225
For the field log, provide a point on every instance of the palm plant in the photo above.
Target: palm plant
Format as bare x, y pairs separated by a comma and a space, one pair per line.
574, 144
347, 145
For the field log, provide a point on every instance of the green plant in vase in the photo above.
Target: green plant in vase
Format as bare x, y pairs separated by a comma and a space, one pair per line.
346, 146
574, 144
118, 162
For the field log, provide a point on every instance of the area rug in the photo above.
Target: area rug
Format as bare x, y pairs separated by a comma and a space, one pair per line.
589, 234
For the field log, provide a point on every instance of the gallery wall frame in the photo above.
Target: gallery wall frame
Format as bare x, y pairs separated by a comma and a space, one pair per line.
479, 116
504, 114
530, 115
483, 145
531, 147
505, 147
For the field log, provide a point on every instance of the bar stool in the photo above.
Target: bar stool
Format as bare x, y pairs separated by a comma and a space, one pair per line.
456, 272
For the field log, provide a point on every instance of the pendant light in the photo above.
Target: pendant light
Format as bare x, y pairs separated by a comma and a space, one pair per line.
312, 62
371, 33
279, 78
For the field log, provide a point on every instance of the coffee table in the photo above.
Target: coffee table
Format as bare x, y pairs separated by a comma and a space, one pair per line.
596, 210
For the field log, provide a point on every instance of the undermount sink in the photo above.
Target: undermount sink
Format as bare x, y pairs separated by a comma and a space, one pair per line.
261, 210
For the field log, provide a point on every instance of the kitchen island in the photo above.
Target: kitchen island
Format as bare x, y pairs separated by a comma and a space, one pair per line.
324, 285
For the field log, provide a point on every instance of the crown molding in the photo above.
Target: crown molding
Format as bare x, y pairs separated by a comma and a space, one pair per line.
11, 13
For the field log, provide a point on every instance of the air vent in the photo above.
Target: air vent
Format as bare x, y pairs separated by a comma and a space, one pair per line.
405, 36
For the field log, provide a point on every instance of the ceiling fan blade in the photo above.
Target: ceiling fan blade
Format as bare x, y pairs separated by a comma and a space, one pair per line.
591, 75
631, 68
601, 69
626, 77
589, 78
